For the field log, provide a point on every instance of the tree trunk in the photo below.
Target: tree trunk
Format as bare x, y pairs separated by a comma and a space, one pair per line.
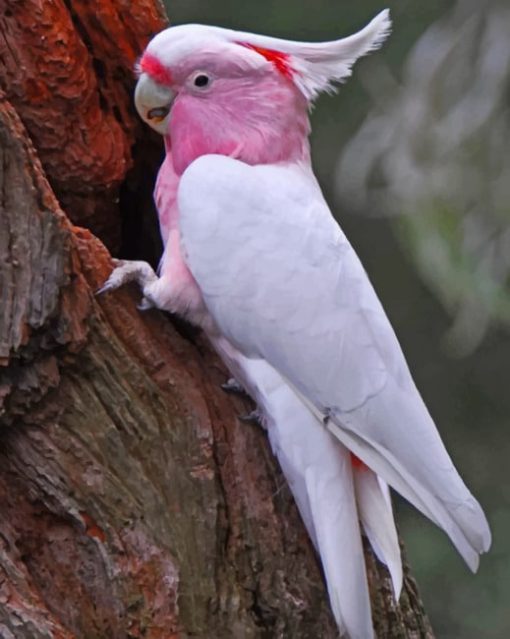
133, 502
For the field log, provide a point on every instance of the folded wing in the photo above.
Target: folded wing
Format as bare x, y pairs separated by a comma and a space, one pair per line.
283, 284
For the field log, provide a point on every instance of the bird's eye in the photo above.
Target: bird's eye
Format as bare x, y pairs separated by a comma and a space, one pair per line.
201, 80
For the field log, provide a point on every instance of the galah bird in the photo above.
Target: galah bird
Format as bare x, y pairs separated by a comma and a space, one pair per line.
254, 256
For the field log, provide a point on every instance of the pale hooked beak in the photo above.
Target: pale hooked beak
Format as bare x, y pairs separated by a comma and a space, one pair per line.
153, 102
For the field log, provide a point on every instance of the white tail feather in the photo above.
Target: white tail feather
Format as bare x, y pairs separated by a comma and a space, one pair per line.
333, 504
376, 515
318, 470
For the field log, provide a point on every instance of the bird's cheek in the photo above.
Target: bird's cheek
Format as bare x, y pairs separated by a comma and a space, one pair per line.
168, 141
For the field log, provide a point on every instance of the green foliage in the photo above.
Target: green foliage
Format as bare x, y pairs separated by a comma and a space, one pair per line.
438, 147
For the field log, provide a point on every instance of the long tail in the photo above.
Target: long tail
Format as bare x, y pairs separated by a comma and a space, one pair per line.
424, 474
319, 472
406, 451
331, 494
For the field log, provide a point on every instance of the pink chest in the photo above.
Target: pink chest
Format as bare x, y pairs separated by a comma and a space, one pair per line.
179, 281
165, 196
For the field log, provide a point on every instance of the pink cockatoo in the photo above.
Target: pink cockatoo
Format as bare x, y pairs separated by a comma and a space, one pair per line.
253, 256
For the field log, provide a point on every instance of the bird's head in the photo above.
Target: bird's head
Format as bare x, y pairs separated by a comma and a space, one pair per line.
213, 90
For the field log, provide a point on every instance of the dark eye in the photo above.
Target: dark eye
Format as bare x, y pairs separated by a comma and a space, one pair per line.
202, 80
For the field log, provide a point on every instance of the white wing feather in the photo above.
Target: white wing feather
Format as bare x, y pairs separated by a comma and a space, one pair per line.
283, 284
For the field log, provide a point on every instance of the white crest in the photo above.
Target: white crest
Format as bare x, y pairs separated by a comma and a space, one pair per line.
313, 66
318, 66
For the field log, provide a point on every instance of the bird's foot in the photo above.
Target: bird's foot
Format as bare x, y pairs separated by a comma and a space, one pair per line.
252, 418
233, 386
131, 271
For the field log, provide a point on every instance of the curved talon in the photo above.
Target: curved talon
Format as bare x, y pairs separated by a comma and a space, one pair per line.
251, 418
128, 271
102, 289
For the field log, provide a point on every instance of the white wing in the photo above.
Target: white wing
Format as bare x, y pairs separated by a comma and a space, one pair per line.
283, 284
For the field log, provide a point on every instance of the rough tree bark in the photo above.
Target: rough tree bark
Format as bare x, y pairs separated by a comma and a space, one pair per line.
132, 501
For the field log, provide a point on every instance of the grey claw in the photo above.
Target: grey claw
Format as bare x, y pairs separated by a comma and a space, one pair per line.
129, 271
107, 286
252, 418
232, 386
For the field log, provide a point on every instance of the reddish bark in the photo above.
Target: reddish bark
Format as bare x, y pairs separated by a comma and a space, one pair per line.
67, 68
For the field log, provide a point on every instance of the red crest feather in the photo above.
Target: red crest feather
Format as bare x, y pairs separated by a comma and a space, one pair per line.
280, 60
152, 66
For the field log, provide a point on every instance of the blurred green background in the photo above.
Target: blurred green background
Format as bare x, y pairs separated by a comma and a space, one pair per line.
423, 253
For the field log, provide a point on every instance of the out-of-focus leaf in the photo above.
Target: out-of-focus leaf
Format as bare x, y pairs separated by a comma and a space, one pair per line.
434, 154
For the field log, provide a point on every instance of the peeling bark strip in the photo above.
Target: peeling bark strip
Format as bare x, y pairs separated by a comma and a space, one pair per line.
132, 501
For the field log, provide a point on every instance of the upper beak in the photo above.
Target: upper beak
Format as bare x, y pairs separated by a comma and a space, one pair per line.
153, 102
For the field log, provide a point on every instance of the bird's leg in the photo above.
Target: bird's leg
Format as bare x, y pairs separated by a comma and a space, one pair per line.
233, 386
131, 271
252, 418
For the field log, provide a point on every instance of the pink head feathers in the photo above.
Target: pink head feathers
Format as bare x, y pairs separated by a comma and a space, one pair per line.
214, 90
